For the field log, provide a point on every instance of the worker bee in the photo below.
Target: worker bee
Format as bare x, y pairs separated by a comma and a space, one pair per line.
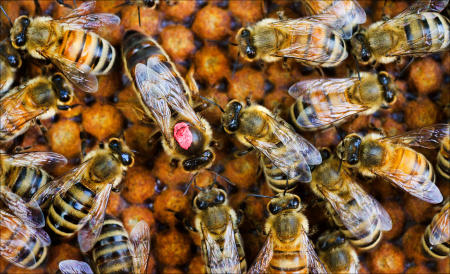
337, 254
21, 176
69, 43
115, 251
309, 40
348, 11
325, 102
392, 159
285, 154
38, 98
436, 239
79, 198
10, 62
443, 159
417, 31
287, 248
217, 224
357, 214
20, 244
166, 99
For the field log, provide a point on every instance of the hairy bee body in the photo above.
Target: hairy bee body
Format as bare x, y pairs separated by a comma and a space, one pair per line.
31, 254
443, 159
10, 61
111, 252
440, 250
337, 254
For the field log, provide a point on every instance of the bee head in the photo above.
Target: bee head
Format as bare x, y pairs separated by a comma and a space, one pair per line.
10, 55
360, 48
348, 149
121, 151
330, 240
63, 89
19, 32
284, 201
389, 92
230, 118
209, 197
246, 47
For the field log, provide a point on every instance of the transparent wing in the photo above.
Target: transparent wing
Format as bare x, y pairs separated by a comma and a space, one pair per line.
74, 267
140, 241
30, 213
91, 21
88, 234
314, 263
440, 230
12, 113
61, 184
427, 137
34, 158
226, 261
295, 153
41, 235
319, 111
423, 5
264, 257
83, 9
417, 185
79, 74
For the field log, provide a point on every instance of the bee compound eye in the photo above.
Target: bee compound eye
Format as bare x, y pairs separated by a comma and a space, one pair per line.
245, 33
115, 145
64, 96
274, 209
220, 198
13, 61
250, 52
126, 159
201, 204
293, 204
389, 95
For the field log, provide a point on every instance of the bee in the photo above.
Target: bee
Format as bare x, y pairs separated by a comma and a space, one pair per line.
10, 62
20, 244
417, 31
166, 99
21, 176
115, 251
337, 254
358, 215
309, 40
436, 239
285, 154
322, 103
443, 159
287, 248
217, 224
79, 198
39, 98
69, 43
392, 159
350, 12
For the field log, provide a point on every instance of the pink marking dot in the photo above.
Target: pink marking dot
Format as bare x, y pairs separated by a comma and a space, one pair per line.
182, 135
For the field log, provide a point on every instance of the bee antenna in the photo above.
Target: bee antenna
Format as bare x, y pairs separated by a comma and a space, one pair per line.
190, 182
340, 165
228, 181
38, 9
139, 15
212, 102
357, 66
233, 44
406, 67
260, 195
4, 12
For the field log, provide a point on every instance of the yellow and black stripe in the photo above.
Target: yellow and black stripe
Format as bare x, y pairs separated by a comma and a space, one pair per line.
25, 181
290, 260
442, 250
443, 159
87, 48
67, 210
111, 252
276, 178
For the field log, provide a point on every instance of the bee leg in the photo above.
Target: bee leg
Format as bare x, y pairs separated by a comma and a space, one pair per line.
285, 64
320, 70
37, 7
239, 217
190, 80
61, 2
243, 152
174, 163
83, 144
248, 101
281, 15
154, 139
374, 127
43, 129
19, 149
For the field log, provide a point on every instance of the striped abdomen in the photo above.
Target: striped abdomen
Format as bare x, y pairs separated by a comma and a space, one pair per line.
288, 258
111, 253
442, 250
368, 230
276, 178
321, 46
425, 32
25, 181
31, 254
67, 210
313, 110
87, 48
443, 159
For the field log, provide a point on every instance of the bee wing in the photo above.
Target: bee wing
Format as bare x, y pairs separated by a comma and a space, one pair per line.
34, 158
226, 261
61, 184
319, 111
423, 5
440, 231
91, 21
93, 222
427, 137
313, 262
74, 267
140, 241
79, 74
83, 9
13, 116
264, 257
30, 213
417, 185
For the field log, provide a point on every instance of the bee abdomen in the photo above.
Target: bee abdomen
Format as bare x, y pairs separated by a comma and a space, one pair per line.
439, 251
25, 181
240, 248
414, 164
87, 48
276, 178
443, 159
288, 262
66, 212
